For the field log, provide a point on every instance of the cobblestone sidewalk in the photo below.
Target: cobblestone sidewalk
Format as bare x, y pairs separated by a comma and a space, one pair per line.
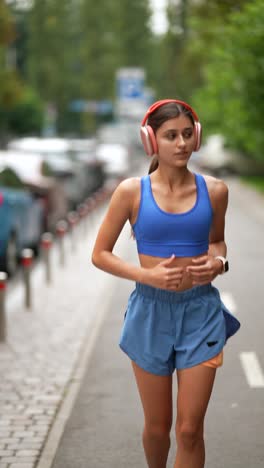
42, 348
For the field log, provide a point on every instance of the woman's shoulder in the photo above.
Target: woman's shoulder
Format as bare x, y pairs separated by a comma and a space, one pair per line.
129, 186
217, 188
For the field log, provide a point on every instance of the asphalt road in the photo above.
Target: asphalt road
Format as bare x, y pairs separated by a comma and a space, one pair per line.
104, 428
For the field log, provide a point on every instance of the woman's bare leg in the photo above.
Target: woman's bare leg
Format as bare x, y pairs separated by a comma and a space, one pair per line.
194, 390
156, 397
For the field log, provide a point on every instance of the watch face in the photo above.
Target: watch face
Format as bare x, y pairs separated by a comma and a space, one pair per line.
226, 266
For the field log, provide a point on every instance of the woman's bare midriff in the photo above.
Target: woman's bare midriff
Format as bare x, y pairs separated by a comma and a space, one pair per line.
147, 261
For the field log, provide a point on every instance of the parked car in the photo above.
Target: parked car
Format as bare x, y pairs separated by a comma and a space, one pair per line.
21, 219
84, 150
215, 157
118, 132
115, 157
65, 166
37, 175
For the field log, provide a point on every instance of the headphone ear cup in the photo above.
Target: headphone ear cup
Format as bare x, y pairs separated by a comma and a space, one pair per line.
152, 139
148, 140
198, 135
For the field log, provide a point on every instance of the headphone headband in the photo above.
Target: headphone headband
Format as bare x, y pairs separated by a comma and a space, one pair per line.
158, 104
147, 133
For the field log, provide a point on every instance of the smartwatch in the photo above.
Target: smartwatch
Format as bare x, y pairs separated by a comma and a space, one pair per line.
225, 264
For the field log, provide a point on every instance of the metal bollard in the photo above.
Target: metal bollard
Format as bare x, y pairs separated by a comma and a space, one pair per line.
27, 259
98, 198
61, 229
46, 244
91, 204
73, 219
3, 284
82, 211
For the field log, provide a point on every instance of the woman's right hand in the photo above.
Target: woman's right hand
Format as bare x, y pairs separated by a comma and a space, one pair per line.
163, 276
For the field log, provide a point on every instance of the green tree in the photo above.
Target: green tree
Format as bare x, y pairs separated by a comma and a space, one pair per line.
10, 87
8, 79
173, 46
139, 47
73, 49
114, 34
98, 49
52, 52
232, 98
133, 33
26, 116
7, 32
193, 28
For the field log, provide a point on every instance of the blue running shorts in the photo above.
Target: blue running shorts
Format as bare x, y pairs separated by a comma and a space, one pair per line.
166, 330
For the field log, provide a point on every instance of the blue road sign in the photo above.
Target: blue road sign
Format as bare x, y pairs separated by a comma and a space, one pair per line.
130, 88
130, 83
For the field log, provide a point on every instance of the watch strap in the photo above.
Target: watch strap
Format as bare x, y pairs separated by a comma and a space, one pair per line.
224, 263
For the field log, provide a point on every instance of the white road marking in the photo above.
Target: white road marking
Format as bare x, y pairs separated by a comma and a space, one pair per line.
229, 301
251, 366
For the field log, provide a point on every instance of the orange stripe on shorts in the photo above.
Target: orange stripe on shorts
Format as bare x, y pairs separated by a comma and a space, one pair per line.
216, 361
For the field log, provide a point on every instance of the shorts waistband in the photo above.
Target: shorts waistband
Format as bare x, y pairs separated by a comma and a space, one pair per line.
173, 296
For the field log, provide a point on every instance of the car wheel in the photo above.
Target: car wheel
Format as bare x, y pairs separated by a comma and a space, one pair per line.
11, 256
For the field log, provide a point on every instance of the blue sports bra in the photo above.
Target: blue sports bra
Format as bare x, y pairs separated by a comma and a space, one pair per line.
161, 234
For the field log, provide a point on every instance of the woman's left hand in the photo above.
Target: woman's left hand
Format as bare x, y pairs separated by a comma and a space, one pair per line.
204, 269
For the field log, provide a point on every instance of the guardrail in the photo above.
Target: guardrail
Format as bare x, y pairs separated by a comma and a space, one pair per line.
74, 226
3, 284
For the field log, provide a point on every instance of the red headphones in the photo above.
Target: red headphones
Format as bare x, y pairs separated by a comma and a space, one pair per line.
147, 133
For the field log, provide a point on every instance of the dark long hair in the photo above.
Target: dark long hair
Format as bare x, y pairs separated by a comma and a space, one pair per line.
161, 115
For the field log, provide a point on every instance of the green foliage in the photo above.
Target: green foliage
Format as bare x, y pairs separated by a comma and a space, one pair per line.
50, 47
186, 47
70, 51
7, 31
10, 89
114, 34
9, 81
26, 117
53, 54
99, 50
211, 56
232, 98
255, 181
75, 48
9, 178
133, 32
46, 169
